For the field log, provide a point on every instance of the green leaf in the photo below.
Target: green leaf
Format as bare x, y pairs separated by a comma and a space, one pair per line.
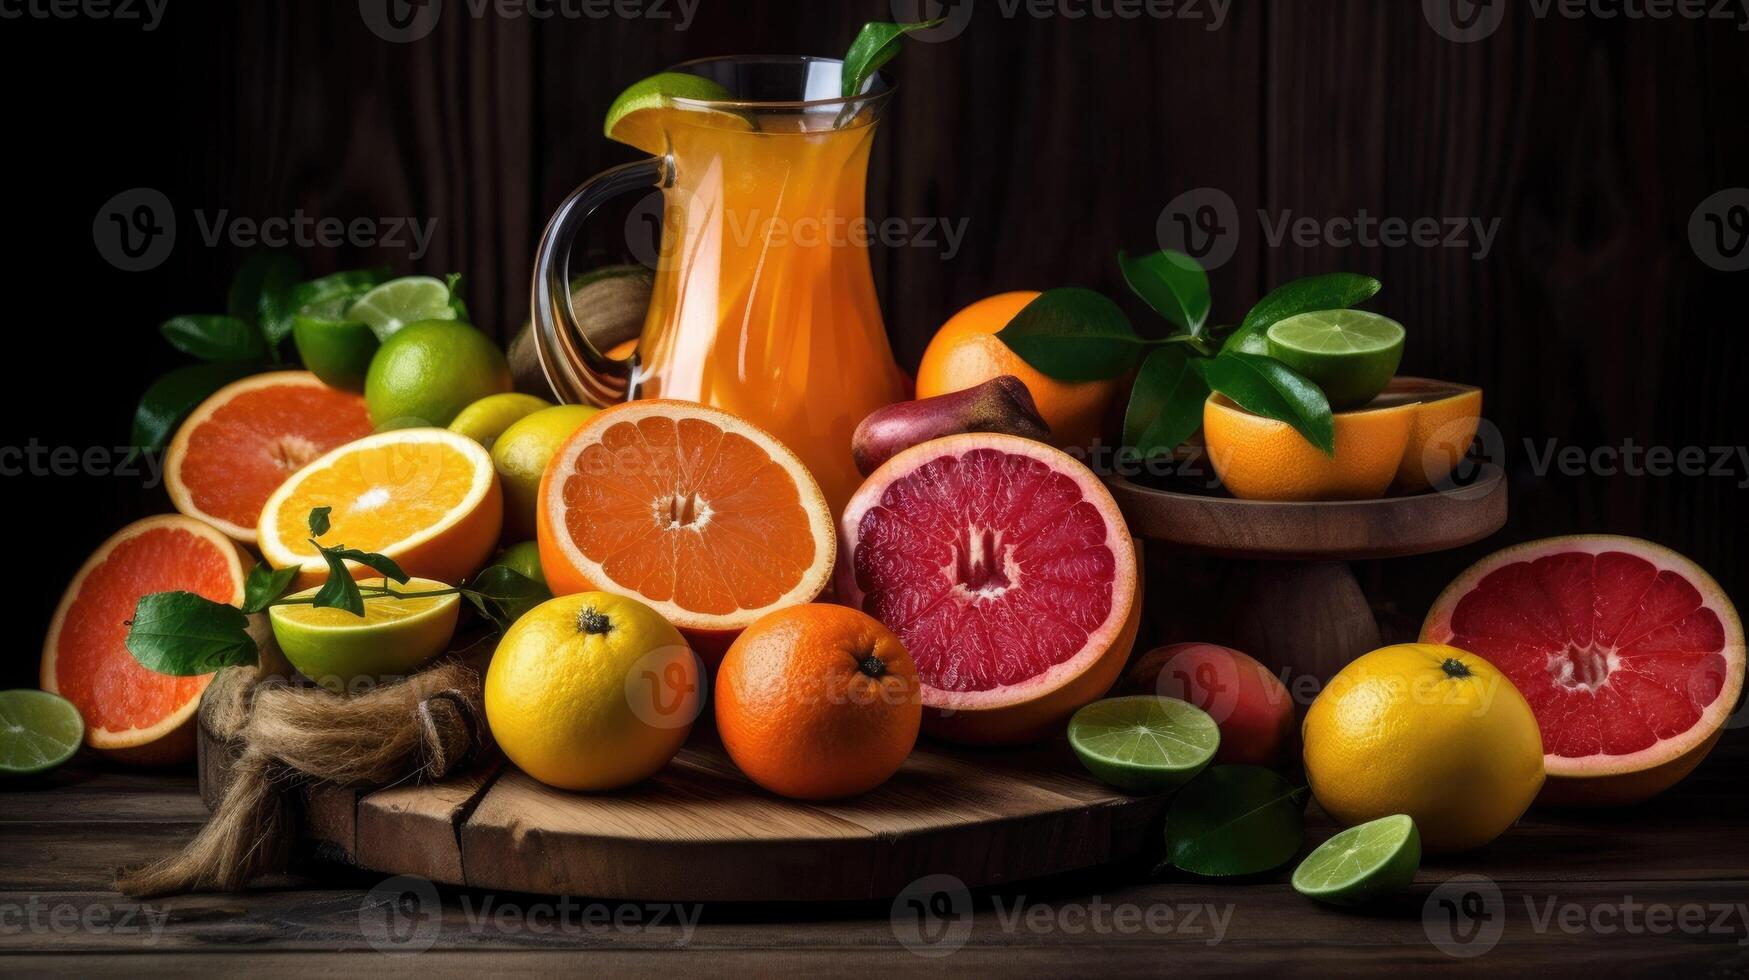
184, 634
1173, 284
1235, 820
875, 45
319, 520
1165, 403
1335, 291
352, 282
173, 396
275, 308
502, 594
265, 585
454, 282
340, 591
1265, 386
1073, 334
381, 564
214, 338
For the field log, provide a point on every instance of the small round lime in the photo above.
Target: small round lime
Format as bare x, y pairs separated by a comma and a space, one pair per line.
485, 420
524, 559
1351, 354
398, 302
1363, 863
521, 455
632, 119
336, 349
429, 371
393, 638
1144, 744
38, 731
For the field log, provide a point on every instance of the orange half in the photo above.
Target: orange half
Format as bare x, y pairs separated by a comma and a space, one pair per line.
131, 713
705, 517
428, 498
235, 449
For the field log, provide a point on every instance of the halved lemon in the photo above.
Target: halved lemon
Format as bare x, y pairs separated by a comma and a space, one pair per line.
393, 638
428, 498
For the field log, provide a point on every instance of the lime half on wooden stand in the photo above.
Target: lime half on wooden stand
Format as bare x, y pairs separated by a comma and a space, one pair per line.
1144, 744
1351, 354
1365, 862
38, 731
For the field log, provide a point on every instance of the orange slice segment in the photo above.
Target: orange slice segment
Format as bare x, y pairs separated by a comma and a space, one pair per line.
427, 498
130, 712
240, 444
705, 517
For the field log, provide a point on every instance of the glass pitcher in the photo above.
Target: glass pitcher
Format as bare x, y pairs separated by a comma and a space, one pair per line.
763, 303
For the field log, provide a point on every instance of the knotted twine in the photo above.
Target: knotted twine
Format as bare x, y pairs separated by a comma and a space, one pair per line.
286, 735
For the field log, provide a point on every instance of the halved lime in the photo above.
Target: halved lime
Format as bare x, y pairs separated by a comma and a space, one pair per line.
1365, 862
1351, 354
393, 638
632, 118
38, 731
1144, 744
398, 302
337, 349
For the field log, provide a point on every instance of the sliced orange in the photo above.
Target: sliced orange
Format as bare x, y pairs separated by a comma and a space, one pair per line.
235, 449
1446, 418
1261, 459
705, 517
428, 498
131, 713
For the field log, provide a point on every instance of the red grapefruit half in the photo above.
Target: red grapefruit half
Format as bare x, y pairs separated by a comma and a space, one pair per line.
1629, 653
1007, 571
131, 713
234, 450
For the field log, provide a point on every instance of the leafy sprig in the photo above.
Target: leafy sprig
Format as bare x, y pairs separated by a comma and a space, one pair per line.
875, 45
185, 634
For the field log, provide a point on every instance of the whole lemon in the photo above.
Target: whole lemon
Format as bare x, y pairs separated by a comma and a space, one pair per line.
521, 455
592, 691
1432, 731
485, 420
427, 372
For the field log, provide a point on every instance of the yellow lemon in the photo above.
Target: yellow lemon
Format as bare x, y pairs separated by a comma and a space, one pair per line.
521, 455
1428, 730
1262, 459
485, 420
592, 691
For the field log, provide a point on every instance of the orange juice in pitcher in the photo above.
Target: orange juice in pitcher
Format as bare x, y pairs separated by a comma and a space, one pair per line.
763, 302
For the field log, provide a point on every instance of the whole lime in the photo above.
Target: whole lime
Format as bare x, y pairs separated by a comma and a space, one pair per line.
521, 455
524, 559
427, 372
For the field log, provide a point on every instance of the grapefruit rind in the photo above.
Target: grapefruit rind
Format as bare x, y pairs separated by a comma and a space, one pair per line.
1028, 711
1630, 777
569, 570
181, 496
171, 739
444, 550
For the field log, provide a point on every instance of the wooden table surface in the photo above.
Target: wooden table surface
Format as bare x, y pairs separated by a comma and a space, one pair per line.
1659, 888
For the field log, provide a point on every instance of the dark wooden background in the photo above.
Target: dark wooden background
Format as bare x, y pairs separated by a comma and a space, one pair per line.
1592, 322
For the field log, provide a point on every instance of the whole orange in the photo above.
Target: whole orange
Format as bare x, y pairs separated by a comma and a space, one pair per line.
966, 352
817, 702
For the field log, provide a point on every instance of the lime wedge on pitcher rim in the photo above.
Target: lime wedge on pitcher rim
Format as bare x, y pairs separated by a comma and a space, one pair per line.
1144, 744
1351, 354
632, 118
398, 302
1365, 862
38, 731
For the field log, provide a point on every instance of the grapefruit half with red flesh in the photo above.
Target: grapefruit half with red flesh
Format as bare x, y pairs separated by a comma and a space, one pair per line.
1006, 570
133, 714
1630, 655
248, 437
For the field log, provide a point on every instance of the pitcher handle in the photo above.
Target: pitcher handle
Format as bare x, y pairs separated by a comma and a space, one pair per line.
575, 368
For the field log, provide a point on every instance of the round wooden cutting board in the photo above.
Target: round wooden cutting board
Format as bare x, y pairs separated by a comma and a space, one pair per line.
700, 831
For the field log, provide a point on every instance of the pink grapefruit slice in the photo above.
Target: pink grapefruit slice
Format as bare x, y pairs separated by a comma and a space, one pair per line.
237, 448
133, 714
1006, 569
1629, 654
